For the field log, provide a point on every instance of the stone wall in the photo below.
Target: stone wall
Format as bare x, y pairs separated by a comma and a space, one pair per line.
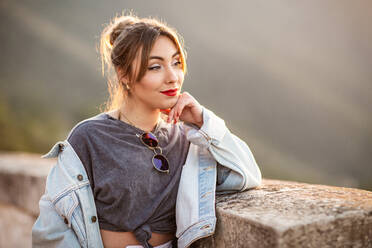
22, 182
276, 214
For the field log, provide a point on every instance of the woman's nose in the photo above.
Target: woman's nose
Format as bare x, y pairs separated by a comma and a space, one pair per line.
171, 75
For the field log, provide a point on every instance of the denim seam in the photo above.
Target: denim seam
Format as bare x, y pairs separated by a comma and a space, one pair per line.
68, 190
73, 196
84, 239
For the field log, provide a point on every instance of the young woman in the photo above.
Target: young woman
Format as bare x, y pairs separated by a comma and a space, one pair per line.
145, 172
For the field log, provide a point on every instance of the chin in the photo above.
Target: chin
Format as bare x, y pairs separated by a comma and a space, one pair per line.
165, 106
168, 104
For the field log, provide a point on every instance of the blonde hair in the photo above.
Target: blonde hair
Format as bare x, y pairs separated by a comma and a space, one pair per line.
121, 40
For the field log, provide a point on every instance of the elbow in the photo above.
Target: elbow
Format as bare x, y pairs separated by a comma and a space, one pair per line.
253, 182
253, 178
257, 180
258, 177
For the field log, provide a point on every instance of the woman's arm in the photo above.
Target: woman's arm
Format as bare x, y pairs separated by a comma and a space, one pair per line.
50, 230
237, 169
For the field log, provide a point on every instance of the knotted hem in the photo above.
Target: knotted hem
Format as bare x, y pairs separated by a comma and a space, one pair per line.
143, 235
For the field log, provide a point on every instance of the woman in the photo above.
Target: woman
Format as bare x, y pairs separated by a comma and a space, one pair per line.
146, 170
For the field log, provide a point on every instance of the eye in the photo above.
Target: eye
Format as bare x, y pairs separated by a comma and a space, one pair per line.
154, 67
178, 62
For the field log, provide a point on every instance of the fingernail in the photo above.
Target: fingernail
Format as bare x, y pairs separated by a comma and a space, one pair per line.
175, 121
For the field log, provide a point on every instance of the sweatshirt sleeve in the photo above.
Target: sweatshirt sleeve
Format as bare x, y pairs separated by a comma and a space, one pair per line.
78, 139
237, 169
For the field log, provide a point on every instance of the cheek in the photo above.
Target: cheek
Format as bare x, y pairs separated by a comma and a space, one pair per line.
150, 84
181, 77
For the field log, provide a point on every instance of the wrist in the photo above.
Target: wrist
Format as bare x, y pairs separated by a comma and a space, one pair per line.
199, 124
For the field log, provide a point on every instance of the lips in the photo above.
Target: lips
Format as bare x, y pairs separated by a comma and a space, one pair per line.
172, 92
169, 91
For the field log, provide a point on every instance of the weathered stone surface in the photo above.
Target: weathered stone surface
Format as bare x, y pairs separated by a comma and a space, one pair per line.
22, 179
278, 214
15, 226
290, 214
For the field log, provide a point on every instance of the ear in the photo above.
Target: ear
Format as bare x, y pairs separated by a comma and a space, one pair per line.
120, 75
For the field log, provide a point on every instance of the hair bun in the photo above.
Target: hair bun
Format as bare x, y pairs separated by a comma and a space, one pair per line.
119, 24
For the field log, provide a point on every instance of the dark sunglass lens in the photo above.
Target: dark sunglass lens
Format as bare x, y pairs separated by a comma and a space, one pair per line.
150, 140
160, 162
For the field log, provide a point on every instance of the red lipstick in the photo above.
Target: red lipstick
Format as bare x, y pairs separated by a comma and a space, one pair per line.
170, 92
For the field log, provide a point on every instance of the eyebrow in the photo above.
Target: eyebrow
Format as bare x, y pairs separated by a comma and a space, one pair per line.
161, 58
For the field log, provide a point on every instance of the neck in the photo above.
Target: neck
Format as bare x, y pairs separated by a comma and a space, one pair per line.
140, 116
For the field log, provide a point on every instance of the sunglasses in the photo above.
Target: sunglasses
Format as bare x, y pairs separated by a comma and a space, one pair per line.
159, 161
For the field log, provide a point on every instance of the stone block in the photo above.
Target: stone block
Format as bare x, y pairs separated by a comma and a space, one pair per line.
22, 179
15, 226
286, 214
278, 214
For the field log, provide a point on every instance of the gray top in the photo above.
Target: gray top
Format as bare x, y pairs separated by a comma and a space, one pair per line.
130, 194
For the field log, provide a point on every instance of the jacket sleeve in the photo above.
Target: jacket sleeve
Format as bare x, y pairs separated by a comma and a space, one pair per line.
50, 230
237, 169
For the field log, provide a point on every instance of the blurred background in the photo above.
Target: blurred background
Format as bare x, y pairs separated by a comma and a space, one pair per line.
291, 78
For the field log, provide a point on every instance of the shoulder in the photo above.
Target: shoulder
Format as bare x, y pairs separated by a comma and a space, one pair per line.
85, 127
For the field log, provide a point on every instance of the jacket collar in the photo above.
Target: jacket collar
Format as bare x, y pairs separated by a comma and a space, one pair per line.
69, 173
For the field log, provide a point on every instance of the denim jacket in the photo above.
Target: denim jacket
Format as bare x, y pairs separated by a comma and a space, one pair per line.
217, 162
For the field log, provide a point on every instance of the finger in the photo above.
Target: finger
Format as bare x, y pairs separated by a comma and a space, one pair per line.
178, 110
172, 114
165, 111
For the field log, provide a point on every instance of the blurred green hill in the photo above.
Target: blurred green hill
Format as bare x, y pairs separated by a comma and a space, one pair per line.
293, 79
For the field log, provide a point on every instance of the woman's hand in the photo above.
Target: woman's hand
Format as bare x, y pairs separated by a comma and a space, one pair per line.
186, 109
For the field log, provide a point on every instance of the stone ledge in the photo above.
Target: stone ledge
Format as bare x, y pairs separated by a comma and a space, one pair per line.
22, 180
15, 226
276, 214
291, 214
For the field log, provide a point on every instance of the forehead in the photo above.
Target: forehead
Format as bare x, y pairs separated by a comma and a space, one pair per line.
163, 47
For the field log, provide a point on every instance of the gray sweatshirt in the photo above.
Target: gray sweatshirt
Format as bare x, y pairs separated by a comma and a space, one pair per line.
130, 194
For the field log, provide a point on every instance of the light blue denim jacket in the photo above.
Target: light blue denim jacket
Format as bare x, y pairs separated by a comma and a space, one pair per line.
217, 162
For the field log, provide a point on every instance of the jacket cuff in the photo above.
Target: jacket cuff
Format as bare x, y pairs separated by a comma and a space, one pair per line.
212, 131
